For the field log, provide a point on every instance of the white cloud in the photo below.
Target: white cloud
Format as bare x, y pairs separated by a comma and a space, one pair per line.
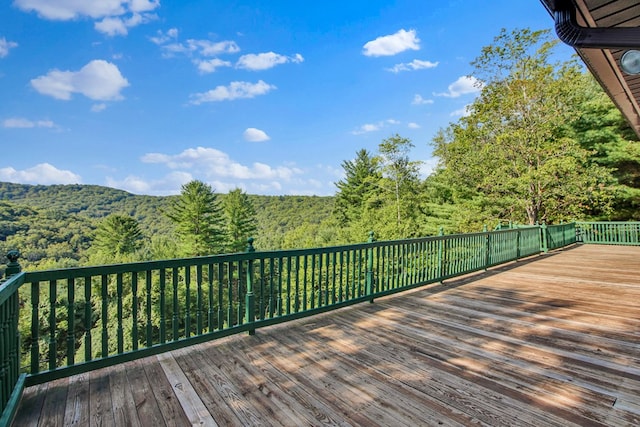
255, 135
209, 48
464, 85
462, 112
6, 46
368, 127
413, 125
168, 41
419, 100
98, 80
392, 44
115, 15
22, 123
427, 167
235, 90
264, 61
373, 127
96, 108
162, 38
216, 164
43, 173
210, 65
116, 26
169, 184
414, 65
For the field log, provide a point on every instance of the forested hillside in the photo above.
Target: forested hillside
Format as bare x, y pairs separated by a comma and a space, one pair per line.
55, 225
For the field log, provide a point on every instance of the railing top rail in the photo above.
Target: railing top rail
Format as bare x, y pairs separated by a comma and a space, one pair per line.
10, 286
607, 222
141, 266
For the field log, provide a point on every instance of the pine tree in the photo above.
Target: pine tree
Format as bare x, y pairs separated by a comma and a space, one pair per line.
240, 220
198, 219
118, 235
361, 177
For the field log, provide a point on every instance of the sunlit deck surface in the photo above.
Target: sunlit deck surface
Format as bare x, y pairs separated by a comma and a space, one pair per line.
551, 340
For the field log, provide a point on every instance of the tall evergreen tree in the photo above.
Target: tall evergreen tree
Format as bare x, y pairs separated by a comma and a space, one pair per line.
198, 219
361, 178
118, 235
240, 219
603, 131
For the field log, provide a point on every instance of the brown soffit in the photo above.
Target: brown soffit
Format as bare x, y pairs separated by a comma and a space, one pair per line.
604, 63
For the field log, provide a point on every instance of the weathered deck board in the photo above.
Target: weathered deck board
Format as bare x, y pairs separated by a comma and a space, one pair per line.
550, 341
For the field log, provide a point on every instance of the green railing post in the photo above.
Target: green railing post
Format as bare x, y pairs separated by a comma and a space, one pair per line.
544, 243
487, 249
440, 271
250, 300
370, 284
13, 267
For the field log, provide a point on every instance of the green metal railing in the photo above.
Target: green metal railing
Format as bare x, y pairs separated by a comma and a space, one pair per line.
90, 317
609, 233
11, 380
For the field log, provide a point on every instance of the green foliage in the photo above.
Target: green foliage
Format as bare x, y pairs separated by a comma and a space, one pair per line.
602, 130
361, 178
118, 235
198, 219
240, 220
513, 158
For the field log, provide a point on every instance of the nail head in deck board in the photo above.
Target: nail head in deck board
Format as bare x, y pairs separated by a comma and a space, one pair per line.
513, 338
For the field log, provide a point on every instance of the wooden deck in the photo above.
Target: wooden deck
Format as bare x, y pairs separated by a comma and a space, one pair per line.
549, 341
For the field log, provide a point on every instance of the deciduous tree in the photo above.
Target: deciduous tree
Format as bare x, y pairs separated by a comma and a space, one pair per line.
514, 152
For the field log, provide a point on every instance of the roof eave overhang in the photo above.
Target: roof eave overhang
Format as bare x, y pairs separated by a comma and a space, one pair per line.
594, 45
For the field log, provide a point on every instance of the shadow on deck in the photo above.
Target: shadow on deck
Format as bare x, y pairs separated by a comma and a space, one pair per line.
553, 340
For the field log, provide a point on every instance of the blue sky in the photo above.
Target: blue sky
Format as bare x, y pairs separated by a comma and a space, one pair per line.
270, 96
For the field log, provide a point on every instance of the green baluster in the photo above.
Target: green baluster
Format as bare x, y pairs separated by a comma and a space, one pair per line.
87, 318
163, 306
304, 282
220, 296
341, 282
296, 307
175, 321
104, 302
199, 300
134, 310
119, 294
53, 293
370, 284
148, 280
35, 327
288, 301
71, 316
250, 298
187, 302
261, 303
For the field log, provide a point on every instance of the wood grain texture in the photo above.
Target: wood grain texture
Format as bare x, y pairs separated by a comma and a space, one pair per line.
553, 340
